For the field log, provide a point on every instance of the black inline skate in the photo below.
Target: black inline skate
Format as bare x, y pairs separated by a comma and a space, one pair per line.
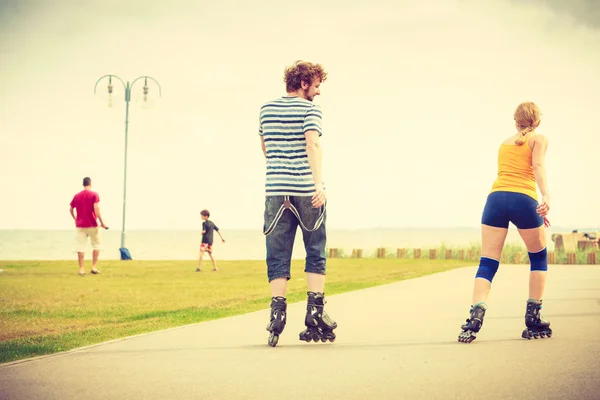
474, 324
278, 319
319, 326
537, 327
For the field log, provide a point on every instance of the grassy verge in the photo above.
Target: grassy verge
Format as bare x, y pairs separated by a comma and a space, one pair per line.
45, 307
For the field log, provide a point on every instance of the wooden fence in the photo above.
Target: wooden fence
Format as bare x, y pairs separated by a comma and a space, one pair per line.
469, 254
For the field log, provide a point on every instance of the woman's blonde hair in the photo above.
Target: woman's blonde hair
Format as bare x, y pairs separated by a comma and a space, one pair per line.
527, 118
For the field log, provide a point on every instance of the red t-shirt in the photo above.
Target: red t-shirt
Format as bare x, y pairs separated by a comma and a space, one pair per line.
84, 202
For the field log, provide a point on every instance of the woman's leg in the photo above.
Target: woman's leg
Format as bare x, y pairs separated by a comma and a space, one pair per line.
492, 242
535, 241
523, 214
531, 228
494, 228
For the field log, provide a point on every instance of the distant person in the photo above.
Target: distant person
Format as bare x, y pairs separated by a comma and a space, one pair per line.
85, 203
290, 127
208, 227
513, 198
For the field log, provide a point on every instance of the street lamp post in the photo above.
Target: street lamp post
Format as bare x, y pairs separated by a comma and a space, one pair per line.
125, 254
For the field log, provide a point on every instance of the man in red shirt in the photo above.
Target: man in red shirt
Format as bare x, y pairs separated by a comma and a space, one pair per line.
86, 204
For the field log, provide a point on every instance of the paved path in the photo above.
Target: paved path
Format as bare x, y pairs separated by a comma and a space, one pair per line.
394, 342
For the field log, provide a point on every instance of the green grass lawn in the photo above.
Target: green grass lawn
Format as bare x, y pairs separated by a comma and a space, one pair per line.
46, 307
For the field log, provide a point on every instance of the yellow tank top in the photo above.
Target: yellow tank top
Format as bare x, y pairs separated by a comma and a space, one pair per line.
515, 171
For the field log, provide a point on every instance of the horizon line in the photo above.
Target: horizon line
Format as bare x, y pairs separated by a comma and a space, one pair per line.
411, 227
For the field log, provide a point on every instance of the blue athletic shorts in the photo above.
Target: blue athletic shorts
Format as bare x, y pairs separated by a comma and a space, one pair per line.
504, 207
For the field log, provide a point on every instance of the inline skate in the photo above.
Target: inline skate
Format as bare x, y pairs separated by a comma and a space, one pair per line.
537, 326
277, 320
473, 324
319, 326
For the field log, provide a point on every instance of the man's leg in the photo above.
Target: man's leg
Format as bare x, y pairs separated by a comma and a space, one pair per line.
315, 282
80, 257
95, 255
280, 243
278, 287
315, 242
96, 239
319, 326
80, 243
315, 267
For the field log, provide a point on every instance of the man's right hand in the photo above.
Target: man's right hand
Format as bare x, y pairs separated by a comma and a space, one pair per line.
104, 226
319, 197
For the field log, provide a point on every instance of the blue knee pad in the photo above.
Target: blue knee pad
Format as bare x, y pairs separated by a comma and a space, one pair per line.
487, 268
539, 260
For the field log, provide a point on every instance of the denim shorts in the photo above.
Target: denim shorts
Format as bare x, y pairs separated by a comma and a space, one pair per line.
283, 215
504, 207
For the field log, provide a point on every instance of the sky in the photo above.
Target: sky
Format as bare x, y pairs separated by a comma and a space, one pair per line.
419, 95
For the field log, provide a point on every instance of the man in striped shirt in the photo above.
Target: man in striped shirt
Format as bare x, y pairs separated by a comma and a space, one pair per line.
289, 129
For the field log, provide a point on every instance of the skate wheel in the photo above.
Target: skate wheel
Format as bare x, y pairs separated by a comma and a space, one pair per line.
323, 340
306, 337
466, 337
273, 339
332, 340
315, 339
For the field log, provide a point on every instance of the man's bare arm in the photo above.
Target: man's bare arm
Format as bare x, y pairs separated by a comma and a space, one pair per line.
315, 155
72, 211
97, 212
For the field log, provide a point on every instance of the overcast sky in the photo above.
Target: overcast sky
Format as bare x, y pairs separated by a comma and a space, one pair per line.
420, 95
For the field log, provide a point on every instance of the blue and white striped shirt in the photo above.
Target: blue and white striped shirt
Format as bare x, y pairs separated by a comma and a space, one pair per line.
283, 123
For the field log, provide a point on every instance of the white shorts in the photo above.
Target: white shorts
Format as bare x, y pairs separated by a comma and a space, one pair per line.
82, 236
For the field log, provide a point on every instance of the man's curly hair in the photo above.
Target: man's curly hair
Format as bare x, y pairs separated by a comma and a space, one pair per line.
302, 71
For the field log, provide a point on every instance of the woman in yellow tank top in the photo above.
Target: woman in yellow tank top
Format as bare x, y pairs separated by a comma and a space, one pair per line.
513, 198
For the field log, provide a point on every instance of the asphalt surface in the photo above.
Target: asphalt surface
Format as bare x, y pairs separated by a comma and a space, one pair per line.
397, 341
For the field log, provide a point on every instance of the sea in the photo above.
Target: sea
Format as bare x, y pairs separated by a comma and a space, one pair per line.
239, 244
